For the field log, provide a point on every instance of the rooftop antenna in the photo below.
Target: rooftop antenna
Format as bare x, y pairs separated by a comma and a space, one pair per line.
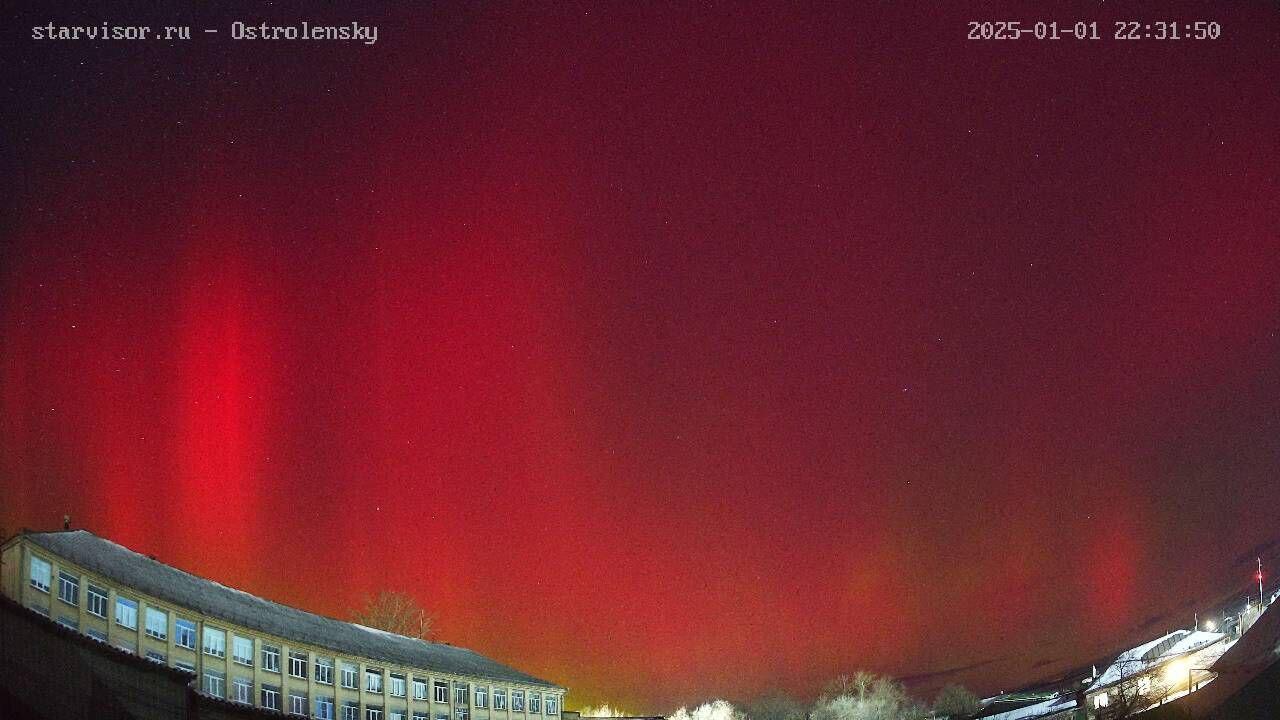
66, 525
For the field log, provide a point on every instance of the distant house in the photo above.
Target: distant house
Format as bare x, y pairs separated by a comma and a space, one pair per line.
1150, 673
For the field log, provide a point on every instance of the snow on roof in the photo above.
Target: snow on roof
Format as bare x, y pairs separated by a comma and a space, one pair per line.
1142, 658
216, 600
1040, 709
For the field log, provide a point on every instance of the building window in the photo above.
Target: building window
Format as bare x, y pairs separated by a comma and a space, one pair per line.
419, 689
517, 700
185, 666
242, 650
97, 601
395, 715
324, 708
242, 690
461, 693
499, 699
373, 681
324, 670
350, 673
270, 658
126, 612
553, 705
69, 589
298, 664
419, 715
297, 704
41, 574
397, 685
157, 657
373, 712
460, 713
68, 622
96, 635
1100, 700
215, 642
271, 697
184, 633
157, 623
441, 690
215, 683
351, 710
535, 702
480, 698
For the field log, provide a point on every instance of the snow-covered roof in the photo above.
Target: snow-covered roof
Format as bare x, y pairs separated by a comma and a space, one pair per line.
1148, 655
219, 601
1040, 709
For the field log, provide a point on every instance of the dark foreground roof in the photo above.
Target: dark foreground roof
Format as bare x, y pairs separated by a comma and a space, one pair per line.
216, 600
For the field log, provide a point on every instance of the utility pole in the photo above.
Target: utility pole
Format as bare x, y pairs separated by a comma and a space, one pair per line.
1261, 600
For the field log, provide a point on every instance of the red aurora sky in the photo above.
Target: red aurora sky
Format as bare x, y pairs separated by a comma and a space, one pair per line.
668, 353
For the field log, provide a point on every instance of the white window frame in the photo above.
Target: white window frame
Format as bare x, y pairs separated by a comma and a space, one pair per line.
535, 702
373, 713
480, 697
395, 715
396, 685
373, 680
461, 693
552, 705
351, 671
96, 634
242, 690
440, 691
296, 701
324, 707
269, 694
65, 580
351, 712
499, 699
189, 631
41, 573
149, 629
237, 644
419, 683
298, 659
97, 600
129, 613
271, 658
156, 657
215, 684
214, 643
324, 670
517, 700
185, 666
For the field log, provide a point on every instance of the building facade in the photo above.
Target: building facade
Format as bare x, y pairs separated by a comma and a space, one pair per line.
248, 650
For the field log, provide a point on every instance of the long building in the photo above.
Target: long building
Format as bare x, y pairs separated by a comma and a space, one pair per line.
248, 650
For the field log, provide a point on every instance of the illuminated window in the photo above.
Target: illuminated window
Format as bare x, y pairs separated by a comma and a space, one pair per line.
157, 623
184, 633
126, 612
41, 572
215, 642
1100, 700
69, 589
242, 650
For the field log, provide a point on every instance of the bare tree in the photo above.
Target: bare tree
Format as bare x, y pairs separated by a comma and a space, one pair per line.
955, 701
865, 696
398, 613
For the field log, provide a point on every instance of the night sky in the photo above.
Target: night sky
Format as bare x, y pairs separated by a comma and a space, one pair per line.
668, 352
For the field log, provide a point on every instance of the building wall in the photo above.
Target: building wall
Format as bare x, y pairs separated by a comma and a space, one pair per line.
16, 556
